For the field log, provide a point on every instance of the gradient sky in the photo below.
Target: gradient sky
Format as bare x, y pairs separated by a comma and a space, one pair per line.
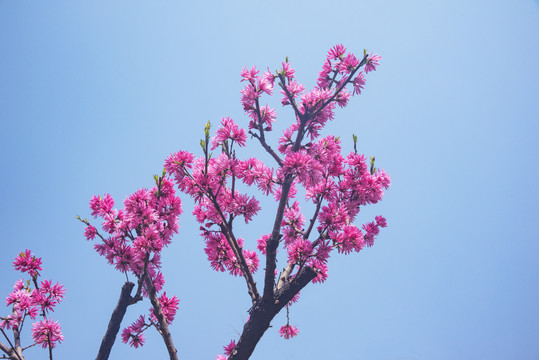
95, 94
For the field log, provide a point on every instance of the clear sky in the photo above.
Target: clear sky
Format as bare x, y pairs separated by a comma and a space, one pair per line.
95, 94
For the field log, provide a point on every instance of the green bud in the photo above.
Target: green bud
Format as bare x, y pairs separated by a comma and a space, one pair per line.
207, 129
373, 169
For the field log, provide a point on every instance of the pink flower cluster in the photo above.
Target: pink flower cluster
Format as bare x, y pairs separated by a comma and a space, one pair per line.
26, 301
26, 262
133, 238
134, 332
47, 332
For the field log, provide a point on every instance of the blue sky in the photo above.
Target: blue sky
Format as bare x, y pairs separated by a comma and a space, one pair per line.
94, 96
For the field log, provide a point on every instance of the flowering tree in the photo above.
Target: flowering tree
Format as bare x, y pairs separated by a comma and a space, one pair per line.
337, 185
132, 240
31, 302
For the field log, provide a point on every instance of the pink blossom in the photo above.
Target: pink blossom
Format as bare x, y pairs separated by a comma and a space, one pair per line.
288, 331
381, 221
229, 130
55, 292
294, 299
19, 285
178, 163
27, 262
287, 71
350, 239
12, 321
294, 89
268, 116
372, 62
230, 347
343, 97
299, 250
251, 258
249, 97
262, 243
249, 75
333, 216
47, 333
348, 64
371, 231
307, 170
265, 84
101, 206
269, 77
133, 333
245, 206
322, 269
359, 82
169, 307
90, 232
20, 299
336, 52
324, 79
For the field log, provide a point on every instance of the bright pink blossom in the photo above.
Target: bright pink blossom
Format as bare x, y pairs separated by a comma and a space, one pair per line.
90, 232
261, 243
288, 331
230, 347
372, 62
348, 64
287, 71
27, 262
133, 333
47, 333
228, 130
249, 75
336, 52
169, 306
359, 83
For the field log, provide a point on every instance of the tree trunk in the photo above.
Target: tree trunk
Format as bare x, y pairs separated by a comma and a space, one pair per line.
263, 312
115, 321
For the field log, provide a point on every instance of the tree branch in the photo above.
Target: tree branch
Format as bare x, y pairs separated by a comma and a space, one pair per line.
268, 148
13, 353
339, 89
163, 324
251, 284
115, 321
273, 241
282, 84
4, 348
263, 312
229, 235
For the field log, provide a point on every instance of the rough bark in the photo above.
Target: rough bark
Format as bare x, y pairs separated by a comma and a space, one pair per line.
264, 311
115, 321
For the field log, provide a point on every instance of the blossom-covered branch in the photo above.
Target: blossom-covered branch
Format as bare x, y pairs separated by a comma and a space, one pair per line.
337, 184
27, 302
132, 241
